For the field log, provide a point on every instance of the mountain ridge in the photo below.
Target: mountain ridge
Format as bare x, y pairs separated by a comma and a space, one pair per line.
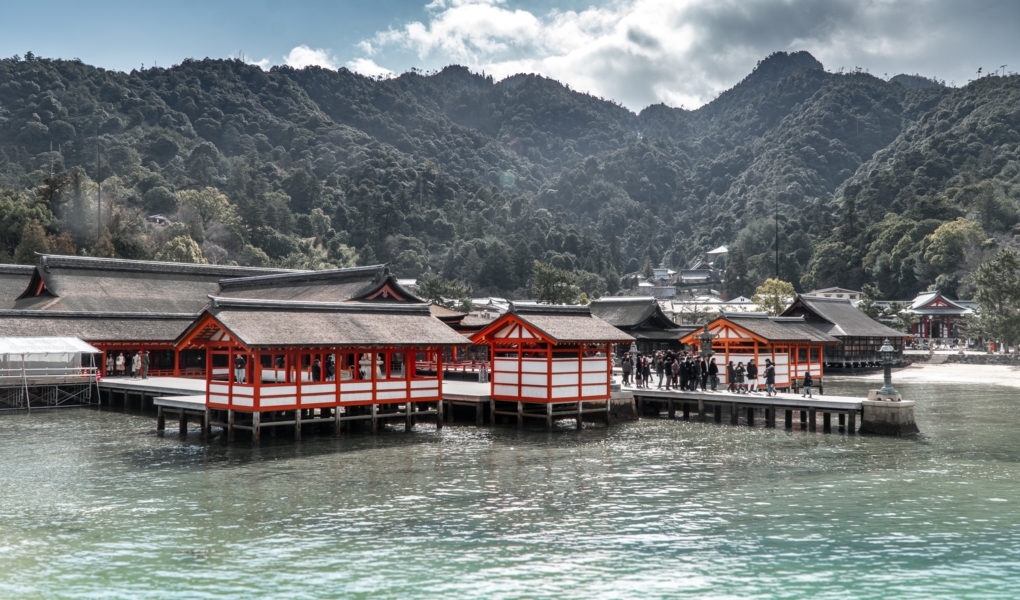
455, 173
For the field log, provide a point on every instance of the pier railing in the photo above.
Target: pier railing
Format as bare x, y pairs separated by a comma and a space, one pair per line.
46, 375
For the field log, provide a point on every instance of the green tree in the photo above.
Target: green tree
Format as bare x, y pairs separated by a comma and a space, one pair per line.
210, 205
33, 240
998, 296
774, 295
442, 291
552, 285
181, 249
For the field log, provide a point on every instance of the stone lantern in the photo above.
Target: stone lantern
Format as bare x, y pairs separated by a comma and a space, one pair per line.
888, 353
885, 412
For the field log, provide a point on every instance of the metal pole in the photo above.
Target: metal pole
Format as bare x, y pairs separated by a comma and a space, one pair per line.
776, 212
99, 191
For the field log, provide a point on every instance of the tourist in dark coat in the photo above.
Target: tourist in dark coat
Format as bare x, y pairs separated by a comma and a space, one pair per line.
674, 373
730, 376
752, 376
316, 370
646, 372
713, 373
807, 385
625, 366
660, 367
695, 374
770, 378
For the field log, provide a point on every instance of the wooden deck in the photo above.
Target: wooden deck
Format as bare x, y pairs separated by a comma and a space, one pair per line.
748, 408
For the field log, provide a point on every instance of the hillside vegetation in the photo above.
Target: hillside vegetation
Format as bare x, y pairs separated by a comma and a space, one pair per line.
903, 184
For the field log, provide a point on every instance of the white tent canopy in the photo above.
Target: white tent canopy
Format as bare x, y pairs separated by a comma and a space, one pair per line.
43, 356
16, 346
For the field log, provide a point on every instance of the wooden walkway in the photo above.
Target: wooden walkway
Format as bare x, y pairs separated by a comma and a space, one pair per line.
752, 408
184, 399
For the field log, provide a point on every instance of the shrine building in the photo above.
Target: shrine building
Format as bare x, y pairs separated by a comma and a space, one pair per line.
548, 361
275, 362
793, 345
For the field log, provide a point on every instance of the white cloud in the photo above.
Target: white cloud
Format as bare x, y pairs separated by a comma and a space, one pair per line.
263, 64
685, 52
368, 68
302, 56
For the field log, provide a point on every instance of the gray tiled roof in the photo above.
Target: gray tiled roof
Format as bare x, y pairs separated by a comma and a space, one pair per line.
13, 280
779, 329
569, 323
84, 284
838, 317
281, 323
333, 285
632, 311
95, 326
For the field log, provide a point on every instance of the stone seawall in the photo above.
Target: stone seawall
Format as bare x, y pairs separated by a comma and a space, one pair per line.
984, 359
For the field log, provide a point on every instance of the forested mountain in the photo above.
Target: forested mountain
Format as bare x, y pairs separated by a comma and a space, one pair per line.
902, 183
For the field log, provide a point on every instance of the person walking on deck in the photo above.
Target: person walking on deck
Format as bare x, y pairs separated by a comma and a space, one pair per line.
770, 378
145, 365
738, 378
625, 366
713, 373
660, 367
136, 364
808, 382
752, 376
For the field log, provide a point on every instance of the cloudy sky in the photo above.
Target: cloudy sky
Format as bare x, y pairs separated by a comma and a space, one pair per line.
636, 52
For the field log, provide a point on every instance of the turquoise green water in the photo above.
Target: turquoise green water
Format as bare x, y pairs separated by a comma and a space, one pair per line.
95, 505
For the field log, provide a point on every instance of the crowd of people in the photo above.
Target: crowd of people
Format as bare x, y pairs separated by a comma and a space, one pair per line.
674, 370
138, 367
688, 371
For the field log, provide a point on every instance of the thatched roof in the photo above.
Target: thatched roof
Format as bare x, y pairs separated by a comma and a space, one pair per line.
84, 284
370, 283
564, 324
13, 281
95, 326
274, 323
838, 317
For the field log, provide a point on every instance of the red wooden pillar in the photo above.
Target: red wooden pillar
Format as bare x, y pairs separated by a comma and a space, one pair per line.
208, 372
609, 369
256, 380
548, 371
375, 379
230, 376
300, 376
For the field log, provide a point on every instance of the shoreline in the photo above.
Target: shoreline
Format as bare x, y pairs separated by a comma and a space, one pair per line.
1004, 375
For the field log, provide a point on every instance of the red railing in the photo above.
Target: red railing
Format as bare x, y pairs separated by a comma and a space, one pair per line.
459, 366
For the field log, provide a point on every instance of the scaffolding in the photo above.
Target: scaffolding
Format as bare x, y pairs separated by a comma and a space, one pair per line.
46, 372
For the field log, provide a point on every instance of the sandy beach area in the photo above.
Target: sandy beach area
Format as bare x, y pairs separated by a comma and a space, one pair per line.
953, 373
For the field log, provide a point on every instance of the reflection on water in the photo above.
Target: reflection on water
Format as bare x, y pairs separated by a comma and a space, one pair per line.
95, 504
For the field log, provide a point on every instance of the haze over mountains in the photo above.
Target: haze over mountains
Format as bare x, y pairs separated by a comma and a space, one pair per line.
902, 183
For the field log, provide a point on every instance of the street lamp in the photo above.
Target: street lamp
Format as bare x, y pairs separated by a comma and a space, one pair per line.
887, 352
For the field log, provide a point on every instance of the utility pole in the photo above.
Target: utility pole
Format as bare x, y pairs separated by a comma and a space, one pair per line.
99, 191
776, 212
